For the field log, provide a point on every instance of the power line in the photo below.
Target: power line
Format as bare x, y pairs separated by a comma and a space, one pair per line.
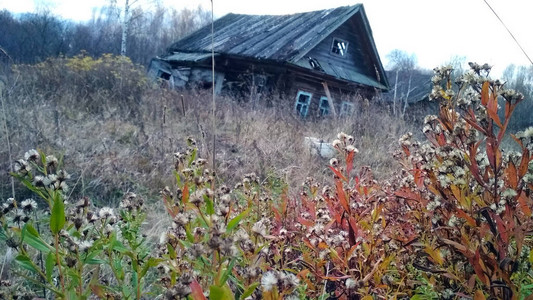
516, 41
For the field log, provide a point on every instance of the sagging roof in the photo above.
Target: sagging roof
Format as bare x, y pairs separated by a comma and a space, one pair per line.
279, 38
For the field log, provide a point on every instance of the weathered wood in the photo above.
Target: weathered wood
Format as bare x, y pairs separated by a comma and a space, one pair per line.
330, 99
294, 52
219, 80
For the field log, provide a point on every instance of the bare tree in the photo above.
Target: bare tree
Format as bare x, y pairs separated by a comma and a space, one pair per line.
458, 64
141, 33
520, 78
403, 65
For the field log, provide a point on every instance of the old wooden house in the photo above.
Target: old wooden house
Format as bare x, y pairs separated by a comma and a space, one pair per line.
323, 60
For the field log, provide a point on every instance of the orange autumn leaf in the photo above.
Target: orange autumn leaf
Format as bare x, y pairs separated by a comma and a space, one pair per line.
479, 295
485, 93
524, 205
342, 196
511, 175
435, 255
471, 221
196, 291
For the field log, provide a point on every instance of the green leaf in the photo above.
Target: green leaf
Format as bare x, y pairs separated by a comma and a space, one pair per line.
235, 221
152, 262
30, 186
185, 244
74, 277
31, 237
117, 266
31, 230
91, 259
49, 265
220, 293
42, 155
227, 272
118, 246
190, 236
178, 178
134, 282
94, 261
57, 217
193, 157
3, 234
171, 251
127, 290
249, 290
25, 262
210, 205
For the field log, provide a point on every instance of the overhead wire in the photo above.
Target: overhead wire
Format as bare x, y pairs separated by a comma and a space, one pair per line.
509, 31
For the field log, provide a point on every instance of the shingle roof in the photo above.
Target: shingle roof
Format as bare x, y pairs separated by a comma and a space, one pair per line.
279, 38
282, 38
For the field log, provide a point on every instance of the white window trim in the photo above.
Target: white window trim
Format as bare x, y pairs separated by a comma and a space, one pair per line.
333, 46
345, 111
307, 104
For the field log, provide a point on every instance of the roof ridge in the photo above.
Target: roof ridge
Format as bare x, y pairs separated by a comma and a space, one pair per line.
296, 13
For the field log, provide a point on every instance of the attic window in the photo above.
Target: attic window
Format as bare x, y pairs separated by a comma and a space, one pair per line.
164, 75
339, 47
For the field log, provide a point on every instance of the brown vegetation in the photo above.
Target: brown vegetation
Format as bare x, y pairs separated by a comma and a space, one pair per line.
454, 221
121, 130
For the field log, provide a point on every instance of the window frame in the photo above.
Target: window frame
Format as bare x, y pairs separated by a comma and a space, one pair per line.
334, 46
306, 104
323, 110
344, 112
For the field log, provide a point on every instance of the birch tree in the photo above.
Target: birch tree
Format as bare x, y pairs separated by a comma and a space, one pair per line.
403, 65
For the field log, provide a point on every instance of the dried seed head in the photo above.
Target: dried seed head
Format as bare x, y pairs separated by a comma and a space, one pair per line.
336, 143
50, 180
21, 167
85, 245
260, 227
196, 251
269, 280
191, 142
197, 198
28, 205
351, 148
51, 161
83, 202
78, 222
20, 216
62, 175
38, 181
334, 162
91, 217
32, 155
106, 212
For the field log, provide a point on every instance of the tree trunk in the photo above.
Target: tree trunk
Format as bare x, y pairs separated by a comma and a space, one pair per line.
125, 28
407, 95
395, 91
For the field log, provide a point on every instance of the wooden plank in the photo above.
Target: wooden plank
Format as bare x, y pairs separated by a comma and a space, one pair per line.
219, 80
330, 100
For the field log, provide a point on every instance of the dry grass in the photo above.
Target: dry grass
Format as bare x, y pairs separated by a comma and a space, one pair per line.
117, 149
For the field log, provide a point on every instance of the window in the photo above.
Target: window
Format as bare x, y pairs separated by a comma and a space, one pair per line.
164, 75
323, 108
347, 108
302, 103
339, 47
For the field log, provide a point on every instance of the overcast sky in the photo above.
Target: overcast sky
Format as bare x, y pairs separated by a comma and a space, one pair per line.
434, 30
